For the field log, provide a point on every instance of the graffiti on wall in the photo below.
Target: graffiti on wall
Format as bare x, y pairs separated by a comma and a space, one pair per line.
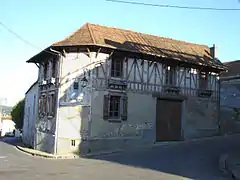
129, 130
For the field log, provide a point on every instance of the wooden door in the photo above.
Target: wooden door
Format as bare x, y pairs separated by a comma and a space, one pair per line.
168, 120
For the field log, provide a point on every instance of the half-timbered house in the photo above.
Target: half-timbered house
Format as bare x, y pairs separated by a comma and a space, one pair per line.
106, 88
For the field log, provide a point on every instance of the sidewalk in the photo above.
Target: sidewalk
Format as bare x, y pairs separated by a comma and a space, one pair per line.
34, 152
37, 153
230, 163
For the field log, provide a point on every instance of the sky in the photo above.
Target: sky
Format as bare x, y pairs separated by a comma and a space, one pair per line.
45, 22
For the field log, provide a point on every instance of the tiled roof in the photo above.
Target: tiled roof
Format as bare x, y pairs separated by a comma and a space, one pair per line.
233, 69
126, 40
93, 34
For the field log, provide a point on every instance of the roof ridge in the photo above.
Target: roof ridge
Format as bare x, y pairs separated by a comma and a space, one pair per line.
234, 61
167, 38
90, 32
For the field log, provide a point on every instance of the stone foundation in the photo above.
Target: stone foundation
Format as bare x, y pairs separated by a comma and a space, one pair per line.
200, 118
99, 145
45, 142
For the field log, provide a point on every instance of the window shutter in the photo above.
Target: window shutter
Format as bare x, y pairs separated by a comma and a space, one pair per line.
125, 108
106, 107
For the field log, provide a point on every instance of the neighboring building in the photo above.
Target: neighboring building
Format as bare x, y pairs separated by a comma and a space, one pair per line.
30, 115
3, 101
105, 88
6, 125
230, 98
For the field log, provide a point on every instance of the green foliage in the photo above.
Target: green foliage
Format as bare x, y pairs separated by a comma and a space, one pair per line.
17, 114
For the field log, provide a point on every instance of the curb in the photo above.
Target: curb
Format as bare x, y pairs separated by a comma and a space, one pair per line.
224, 167
48, 156
223, 163
91, 155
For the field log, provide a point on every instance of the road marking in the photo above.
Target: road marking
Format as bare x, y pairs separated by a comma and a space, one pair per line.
2, 157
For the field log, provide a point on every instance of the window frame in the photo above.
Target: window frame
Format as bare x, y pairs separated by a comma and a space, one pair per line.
54, 68
52, 105
170, 75
119, 108
123, 107
42, 106
45, 70
115, 65
203, 81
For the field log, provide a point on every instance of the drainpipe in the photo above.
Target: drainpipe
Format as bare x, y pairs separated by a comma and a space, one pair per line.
58, 95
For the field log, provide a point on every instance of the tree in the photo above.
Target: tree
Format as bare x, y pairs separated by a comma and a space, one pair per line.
17, 114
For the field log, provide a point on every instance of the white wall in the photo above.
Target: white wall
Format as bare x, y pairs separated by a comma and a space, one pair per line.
140, 118
81, 111
73, 112
7, 126
30, 115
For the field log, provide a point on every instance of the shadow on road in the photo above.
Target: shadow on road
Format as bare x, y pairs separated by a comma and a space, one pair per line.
196, 160
12, 141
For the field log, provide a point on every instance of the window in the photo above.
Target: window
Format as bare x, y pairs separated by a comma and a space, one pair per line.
73, 143
51, 104
53, 68
171, 76
53, 97
114, 110
45, 70
115, 107
42, 106
117, 66
203, 80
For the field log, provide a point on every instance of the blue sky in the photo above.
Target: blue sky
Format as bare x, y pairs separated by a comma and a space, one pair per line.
44, 22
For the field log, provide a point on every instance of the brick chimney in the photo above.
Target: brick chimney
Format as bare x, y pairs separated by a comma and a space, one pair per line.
213, 51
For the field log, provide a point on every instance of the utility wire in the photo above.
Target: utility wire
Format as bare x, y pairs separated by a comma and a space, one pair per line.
173, 6
22, 39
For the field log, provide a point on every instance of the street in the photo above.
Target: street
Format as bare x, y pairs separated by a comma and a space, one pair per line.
195, 160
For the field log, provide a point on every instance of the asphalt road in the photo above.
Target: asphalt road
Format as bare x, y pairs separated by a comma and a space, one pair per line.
195, 160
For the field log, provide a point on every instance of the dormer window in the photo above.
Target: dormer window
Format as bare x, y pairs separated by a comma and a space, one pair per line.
117, 67
203, 80
171, 76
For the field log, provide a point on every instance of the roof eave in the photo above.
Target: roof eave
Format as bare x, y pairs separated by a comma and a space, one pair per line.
35, 58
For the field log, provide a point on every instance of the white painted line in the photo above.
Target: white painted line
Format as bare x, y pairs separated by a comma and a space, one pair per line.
2, 157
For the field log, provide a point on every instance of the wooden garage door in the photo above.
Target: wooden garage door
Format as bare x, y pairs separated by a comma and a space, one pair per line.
168, 120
